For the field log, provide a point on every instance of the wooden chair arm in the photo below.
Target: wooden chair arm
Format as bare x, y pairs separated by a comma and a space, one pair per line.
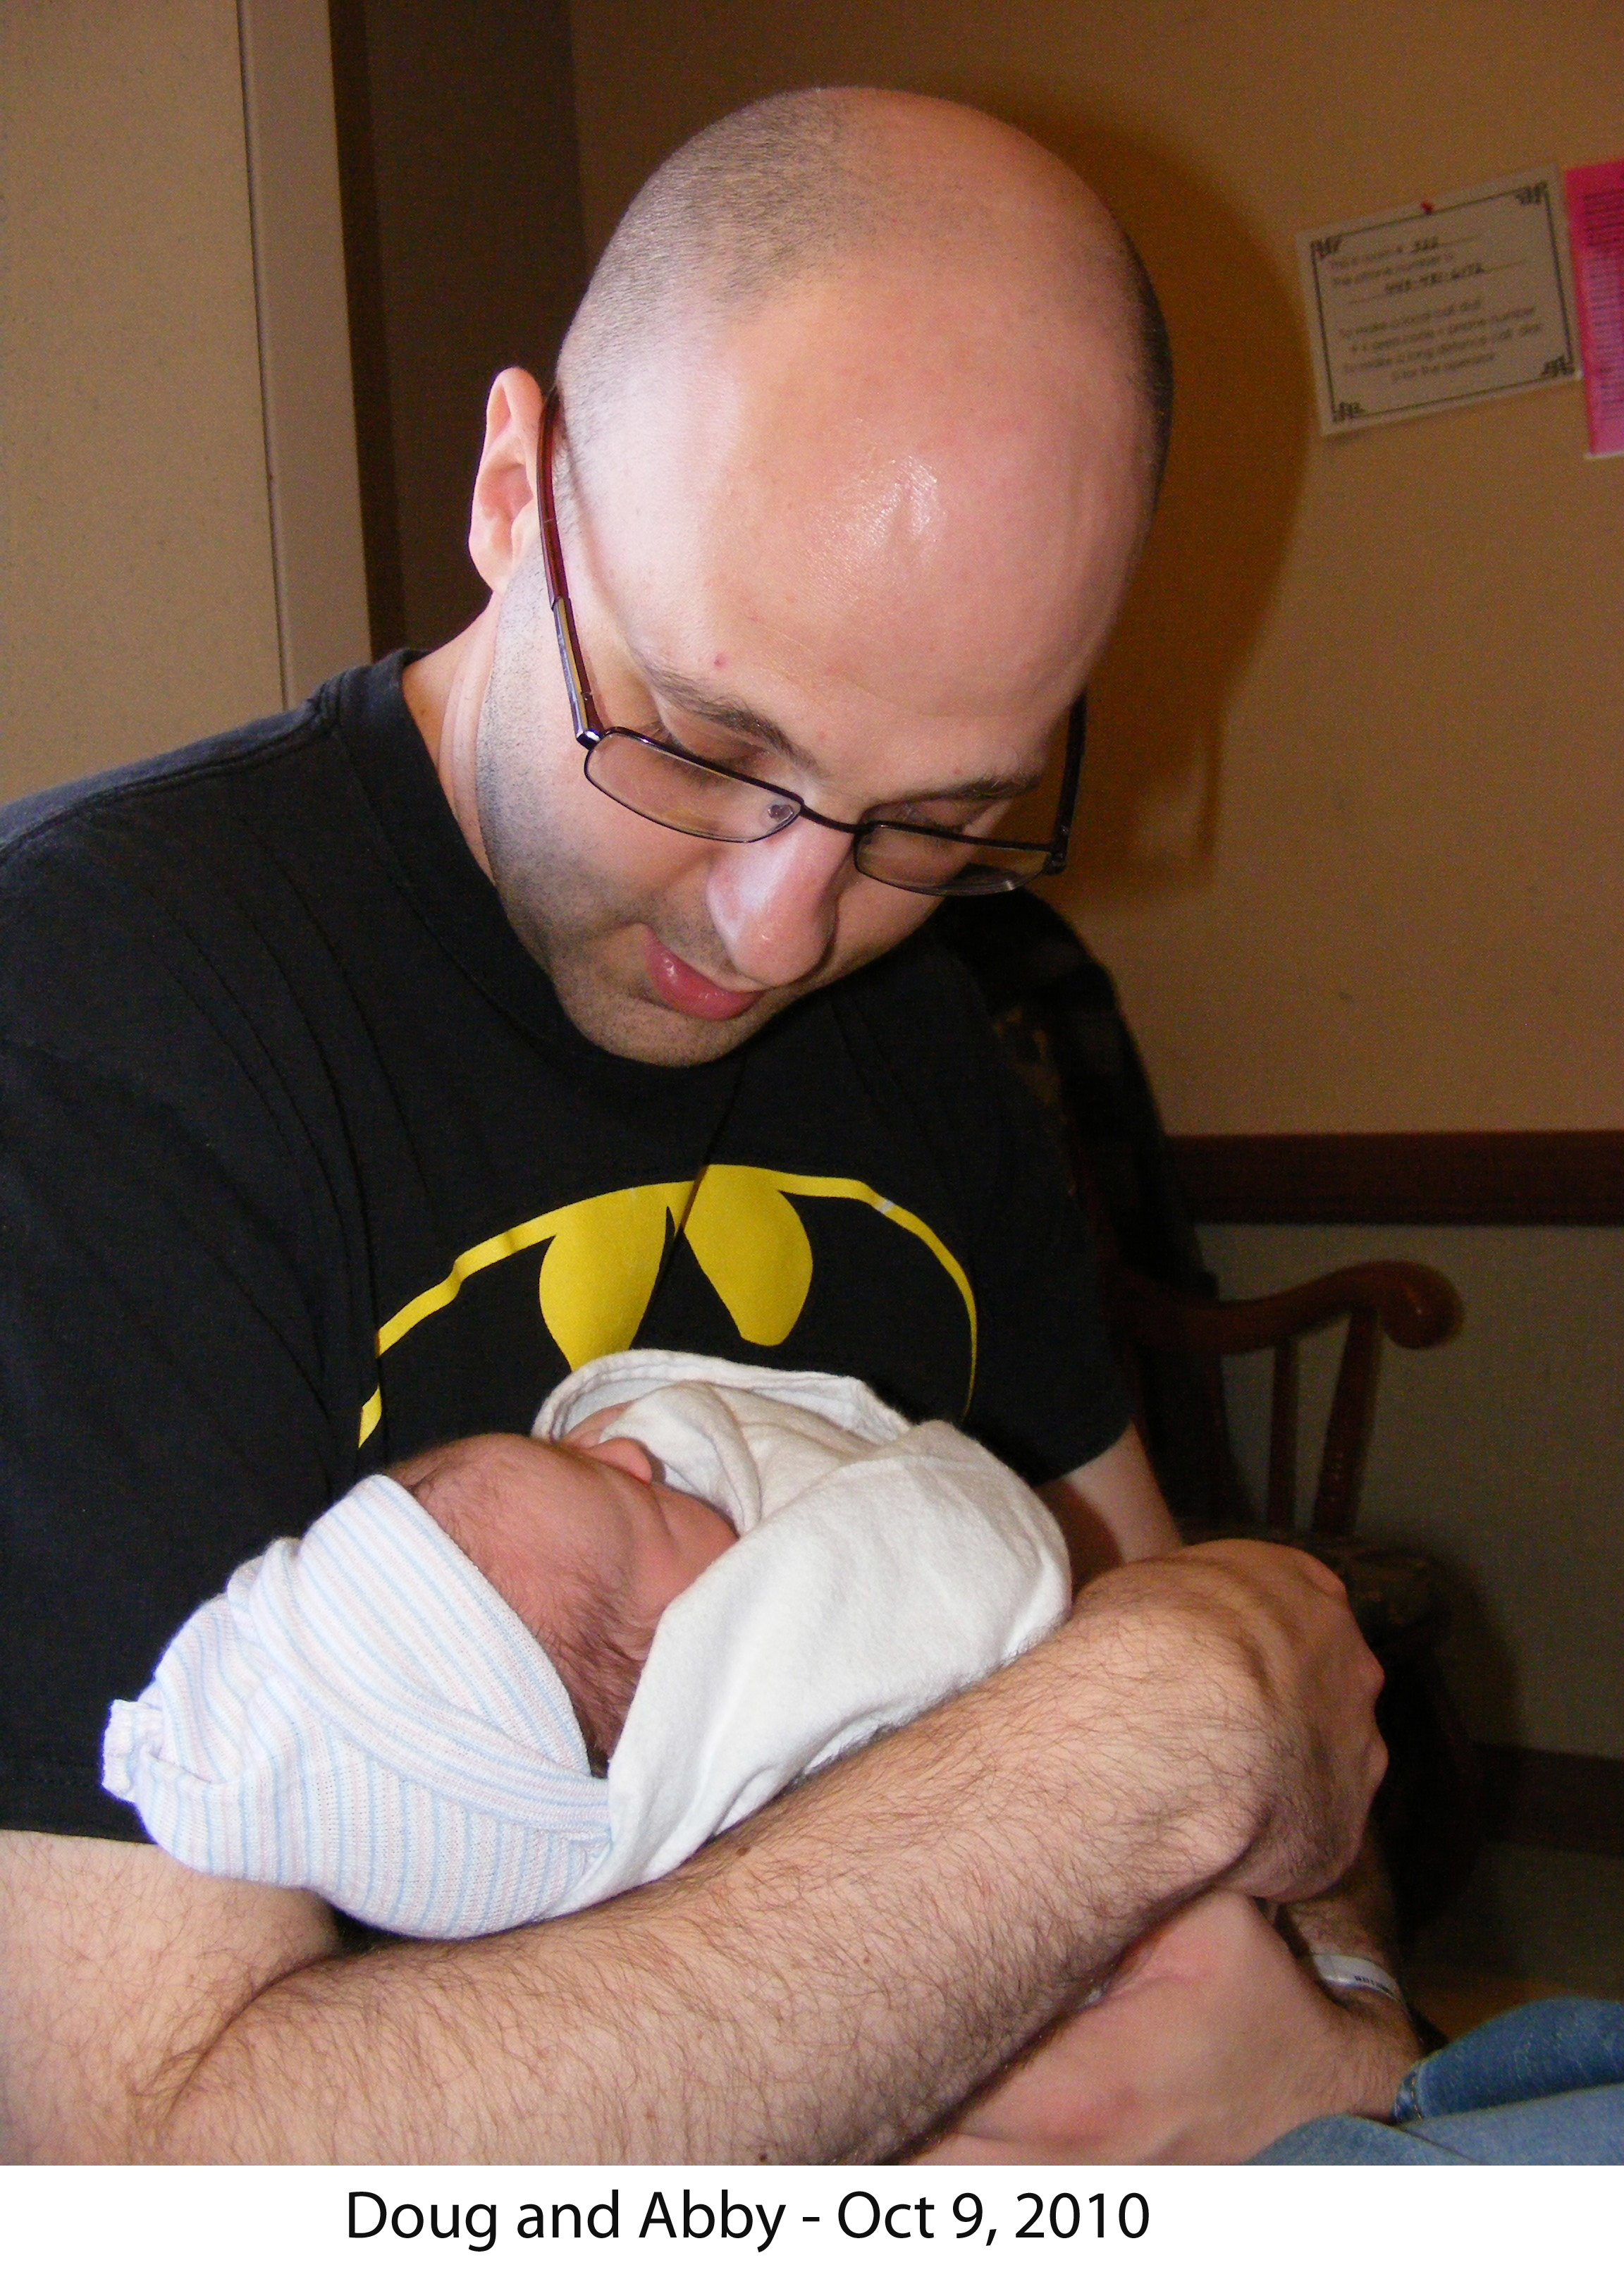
1415, 1306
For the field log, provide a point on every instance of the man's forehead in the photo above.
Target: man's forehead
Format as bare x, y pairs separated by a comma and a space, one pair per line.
962, 557
783, 654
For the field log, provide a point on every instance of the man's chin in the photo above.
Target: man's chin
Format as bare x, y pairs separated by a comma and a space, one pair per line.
642, 1029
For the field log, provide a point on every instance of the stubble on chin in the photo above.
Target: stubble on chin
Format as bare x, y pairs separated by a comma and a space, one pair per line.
589, 942
626, 1021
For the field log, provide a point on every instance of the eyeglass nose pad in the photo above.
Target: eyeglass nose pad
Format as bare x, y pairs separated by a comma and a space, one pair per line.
782, 812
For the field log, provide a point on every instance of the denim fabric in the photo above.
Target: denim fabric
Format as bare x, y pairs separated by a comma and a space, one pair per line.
1557, 2046
1544, 2085
1352, 2141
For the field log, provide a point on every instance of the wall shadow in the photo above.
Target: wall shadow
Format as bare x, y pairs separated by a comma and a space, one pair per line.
1477, 1661
1154, 798
463, 252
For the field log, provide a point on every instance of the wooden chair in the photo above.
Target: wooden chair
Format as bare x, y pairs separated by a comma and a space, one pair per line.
1056, 1009
1430, 1808
1414, 1306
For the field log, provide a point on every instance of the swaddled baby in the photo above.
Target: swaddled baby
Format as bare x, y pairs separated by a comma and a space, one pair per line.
733, 1576
588, 1545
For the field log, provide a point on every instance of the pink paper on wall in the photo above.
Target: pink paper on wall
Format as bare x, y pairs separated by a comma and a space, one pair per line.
1595, 225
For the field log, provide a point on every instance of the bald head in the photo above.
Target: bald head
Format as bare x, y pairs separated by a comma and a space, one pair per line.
805, 185
862, 419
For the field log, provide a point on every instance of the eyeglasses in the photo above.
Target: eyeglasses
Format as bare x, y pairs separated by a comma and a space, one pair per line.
660, 782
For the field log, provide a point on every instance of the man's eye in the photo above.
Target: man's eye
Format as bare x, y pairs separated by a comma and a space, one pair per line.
663, 733
716, 753
945, 816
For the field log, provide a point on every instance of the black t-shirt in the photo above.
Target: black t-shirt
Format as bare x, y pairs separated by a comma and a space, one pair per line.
303, 1170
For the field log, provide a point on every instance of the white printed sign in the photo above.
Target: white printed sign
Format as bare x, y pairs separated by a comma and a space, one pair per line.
1440, 304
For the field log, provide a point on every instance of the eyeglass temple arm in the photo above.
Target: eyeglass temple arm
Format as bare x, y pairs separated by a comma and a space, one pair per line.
582, 710
1076, 737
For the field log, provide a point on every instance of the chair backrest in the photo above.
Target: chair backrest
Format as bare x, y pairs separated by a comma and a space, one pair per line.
1055, 1007
1413, 1305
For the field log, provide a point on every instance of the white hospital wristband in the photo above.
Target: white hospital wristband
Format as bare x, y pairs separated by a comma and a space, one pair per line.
1341, 1970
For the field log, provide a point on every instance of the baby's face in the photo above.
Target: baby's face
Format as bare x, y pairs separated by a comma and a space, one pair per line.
584, 1543
612, 1547
611, 1514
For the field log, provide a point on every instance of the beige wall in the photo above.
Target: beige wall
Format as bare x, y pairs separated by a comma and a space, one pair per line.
1356, 826
307, 388
136, 582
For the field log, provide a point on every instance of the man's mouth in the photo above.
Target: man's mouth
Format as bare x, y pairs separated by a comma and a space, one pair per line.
686, 992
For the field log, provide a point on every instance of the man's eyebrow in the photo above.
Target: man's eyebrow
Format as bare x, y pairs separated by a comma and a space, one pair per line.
987, 788
745, 722
726, 713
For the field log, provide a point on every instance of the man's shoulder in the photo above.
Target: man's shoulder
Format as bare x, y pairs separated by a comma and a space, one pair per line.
130, 898
133, 882
94, 816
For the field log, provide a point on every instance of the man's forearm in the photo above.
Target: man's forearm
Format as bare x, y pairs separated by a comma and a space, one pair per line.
1356, 1919
823, 1984
826, 1981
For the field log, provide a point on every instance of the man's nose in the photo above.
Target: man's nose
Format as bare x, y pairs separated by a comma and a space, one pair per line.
773, 902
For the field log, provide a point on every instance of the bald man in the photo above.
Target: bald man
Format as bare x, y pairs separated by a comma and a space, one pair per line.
368, 1070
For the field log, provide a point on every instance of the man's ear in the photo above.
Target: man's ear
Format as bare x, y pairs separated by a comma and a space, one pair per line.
505, 524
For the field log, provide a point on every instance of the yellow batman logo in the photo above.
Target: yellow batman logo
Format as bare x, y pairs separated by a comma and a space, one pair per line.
753, 1245
603, 1257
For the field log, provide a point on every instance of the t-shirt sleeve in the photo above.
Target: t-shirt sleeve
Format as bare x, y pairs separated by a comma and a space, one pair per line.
1049, 1395
167, 1402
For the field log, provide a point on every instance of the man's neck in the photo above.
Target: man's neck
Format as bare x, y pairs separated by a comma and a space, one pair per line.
444, 691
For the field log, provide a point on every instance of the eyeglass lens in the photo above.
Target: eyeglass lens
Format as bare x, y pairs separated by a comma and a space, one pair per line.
941, 868
668, 790
712, 806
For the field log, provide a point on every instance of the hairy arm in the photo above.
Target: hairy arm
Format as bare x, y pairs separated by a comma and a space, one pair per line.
824, 1982
1355, 1916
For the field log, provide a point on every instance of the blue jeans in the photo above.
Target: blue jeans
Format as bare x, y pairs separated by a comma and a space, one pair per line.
1541, 2086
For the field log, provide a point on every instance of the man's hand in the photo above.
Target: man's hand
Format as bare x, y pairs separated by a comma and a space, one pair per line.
1279, 1693
1212, 2040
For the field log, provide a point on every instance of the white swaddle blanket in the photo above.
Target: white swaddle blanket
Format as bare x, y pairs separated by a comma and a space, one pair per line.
362, 1715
